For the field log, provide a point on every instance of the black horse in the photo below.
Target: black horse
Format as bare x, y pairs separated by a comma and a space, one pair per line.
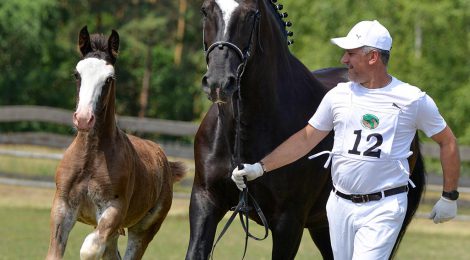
246, 45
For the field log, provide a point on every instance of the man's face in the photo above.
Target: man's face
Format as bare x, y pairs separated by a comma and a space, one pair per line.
357, 63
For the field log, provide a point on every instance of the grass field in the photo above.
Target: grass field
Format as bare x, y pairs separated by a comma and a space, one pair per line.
24, 214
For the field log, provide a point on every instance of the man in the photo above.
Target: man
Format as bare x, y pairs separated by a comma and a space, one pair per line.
374, 117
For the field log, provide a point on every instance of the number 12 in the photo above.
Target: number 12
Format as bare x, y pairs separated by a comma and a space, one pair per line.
369, 152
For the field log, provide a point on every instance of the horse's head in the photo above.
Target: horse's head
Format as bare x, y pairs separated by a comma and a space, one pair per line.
95, 76
230, 29
232, 39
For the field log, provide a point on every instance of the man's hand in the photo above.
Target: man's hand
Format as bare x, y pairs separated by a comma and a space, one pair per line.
444, 210
250, 171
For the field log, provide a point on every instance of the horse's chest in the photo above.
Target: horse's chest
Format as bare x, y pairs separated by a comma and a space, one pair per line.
98, 190
105, 187
95, 200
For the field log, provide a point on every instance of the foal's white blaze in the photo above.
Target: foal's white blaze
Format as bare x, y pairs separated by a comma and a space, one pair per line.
227, 7
93, 73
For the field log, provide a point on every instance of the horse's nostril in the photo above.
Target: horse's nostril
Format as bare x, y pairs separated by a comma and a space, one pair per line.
231, 82
91, 121
205, 85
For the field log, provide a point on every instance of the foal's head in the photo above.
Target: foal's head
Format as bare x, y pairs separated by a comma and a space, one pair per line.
95, 77
235, 31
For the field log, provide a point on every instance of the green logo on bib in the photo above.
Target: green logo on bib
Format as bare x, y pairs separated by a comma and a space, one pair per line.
370, 121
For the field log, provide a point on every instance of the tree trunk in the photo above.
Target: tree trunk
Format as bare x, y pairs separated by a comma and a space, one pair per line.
144, 94
180, 32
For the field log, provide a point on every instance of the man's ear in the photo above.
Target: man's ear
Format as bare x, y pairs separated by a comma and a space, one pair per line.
374, 57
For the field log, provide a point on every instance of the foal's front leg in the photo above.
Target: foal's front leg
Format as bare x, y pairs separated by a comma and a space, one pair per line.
105, 232
62, 220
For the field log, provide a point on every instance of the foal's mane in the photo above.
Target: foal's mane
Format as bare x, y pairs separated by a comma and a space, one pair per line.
99, 42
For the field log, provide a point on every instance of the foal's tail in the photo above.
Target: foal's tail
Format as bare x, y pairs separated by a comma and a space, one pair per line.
418, 176
178, 170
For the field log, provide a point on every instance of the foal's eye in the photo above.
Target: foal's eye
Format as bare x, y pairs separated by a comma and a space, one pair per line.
108, 80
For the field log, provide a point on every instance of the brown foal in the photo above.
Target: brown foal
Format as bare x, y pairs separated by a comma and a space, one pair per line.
108, 179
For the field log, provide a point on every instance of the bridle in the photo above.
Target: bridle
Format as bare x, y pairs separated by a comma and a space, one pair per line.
242, 209
243, 55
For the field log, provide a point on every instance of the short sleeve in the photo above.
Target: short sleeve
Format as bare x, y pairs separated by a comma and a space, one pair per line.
323, 117
429, 120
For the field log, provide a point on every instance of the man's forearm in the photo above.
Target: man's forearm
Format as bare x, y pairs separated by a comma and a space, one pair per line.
293, 148
450, 161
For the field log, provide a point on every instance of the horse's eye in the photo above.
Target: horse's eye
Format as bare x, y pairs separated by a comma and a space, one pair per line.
76, 75
252, 14
203, 11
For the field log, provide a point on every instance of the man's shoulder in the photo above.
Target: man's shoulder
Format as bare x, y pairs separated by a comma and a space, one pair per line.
399, 85
406, 91
343, 87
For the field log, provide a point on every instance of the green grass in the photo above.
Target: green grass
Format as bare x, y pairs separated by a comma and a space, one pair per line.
24, 214
29, 167
32, 168
24, 233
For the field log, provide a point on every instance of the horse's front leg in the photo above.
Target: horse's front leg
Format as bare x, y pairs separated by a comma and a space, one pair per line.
204, 215
62, 220
105, 232
287, 235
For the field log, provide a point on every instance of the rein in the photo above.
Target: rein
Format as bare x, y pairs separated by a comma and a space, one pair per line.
242, 208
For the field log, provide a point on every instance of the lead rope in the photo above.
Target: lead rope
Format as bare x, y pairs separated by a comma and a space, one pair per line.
242, 209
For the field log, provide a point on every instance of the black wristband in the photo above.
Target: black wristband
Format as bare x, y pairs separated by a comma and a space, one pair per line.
452, 195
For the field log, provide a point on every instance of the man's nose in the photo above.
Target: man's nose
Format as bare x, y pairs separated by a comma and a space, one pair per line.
345, 59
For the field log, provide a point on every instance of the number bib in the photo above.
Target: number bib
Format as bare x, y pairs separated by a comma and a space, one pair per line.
369, 132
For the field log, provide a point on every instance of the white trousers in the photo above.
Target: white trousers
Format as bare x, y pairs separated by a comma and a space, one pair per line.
365, 231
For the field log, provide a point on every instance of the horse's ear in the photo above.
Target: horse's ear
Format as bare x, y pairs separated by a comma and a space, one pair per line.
113, 45
84, 44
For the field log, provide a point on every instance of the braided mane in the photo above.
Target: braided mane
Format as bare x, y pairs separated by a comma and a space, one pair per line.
276, 8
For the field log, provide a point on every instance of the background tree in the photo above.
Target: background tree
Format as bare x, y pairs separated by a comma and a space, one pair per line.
161, 60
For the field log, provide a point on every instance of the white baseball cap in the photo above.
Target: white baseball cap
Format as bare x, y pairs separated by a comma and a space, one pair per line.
366, 33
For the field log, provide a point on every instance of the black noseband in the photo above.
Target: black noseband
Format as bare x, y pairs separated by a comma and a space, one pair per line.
221, 44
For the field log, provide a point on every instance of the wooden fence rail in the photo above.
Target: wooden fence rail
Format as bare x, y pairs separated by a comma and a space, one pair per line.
64, 117
130, 124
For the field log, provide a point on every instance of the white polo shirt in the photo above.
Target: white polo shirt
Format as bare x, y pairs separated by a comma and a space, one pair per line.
373, 130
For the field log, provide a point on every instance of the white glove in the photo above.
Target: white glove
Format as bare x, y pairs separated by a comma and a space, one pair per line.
251, 171
444, 210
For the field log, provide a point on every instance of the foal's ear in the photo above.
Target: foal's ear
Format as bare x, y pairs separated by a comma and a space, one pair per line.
84, 43
113, 45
